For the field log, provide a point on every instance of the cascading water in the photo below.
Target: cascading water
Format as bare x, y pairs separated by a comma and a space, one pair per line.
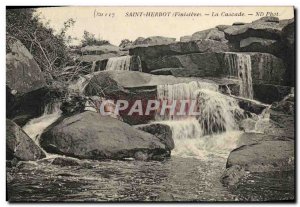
193, 134
239, 65
178, 92
35, 127
124, 63
118, 63
218, 112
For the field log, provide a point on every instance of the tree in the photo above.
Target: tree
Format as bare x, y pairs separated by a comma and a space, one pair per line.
90, 39
125, 43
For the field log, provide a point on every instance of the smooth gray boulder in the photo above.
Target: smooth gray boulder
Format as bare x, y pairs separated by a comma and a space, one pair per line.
258, 154
89, 135
19, 145
264, 156
23, 74
162, 131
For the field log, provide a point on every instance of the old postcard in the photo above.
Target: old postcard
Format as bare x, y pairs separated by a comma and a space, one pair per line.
150, 104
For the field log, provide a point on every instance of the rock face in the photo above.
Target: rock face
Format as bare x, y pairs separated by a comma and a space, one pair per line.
150, 54
266, 68
154, 40
91, 136
268, 93
27, 106
162, 131
282, 116
211, 34
22, 72
255, 44
19, 145
25, 84
186, 38
258, 153
263, 157
250, 105
288, 51
207, 64
262, 28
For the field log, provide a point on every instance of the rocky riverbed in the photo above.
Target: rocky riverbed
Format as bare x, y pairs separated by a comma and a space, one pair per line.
239, 147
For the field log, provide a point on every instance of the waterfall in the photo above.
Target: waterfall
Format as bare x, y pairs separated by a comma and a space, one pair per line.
217, 118
218, 112
239, 65
180, 91
119, 63
35, 127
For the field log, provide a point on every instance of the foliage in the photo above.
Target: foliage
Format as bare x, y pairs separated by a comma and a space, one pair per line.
48, 49
89, 39
125, 43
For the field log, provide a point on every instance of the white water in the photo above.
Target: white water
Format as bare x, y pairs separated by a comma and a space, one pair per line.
204, 147
180, 91
35, 127
214, 132
239, 65
118, 63
217, 111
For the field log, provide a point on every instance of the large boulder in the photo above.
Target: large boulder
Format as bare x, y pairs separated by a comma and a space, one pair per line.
258, 154
262, 28
186, 38
282, 115
267, 35
288, 51
265, 68
162, 131
26, 87
264, 156
154, 40
91, 136
251, 105
19, 145
256, 44
207, 64
28, 106
151, 53
211, 34
23, 74
269, 93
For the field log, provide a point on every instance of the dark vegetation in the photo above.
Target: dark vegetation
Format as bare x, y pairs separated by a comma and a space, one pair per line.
51, 49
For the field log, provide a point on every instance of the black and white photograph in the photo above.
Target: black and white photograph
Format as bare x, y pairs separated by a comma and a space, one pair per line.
150, 104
